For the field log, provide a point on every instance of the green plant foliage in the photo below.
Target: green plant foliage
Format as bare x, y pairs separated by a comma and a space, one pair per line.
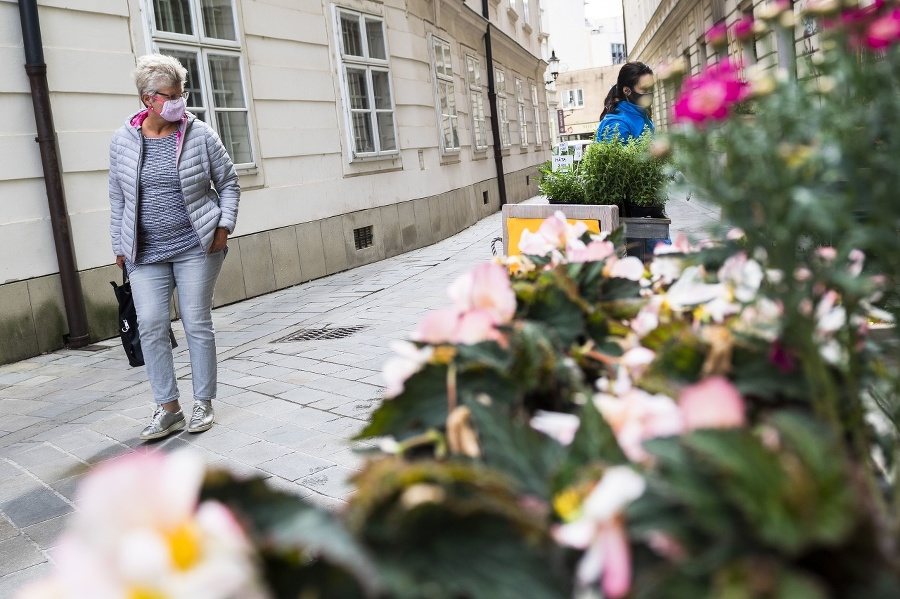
563, 186
617, 173
306, 551
451, 530
516, 449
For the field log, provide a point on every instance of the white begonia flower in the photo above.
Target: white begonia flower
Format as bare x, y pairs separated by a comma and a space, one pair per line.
408, 360
557, 425
601, 531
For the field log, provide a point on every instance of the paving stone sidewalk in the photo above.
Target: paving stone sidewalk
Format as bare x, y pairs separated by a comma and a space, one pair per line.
285, 410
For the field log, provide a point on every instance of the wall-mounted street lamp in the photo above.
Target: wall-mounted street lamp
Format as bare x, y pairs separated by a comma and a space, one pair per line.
554, 65
553, 69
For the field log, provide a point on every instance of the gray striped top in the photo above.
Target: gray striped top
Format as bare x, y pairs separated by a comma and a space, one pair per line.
164, 229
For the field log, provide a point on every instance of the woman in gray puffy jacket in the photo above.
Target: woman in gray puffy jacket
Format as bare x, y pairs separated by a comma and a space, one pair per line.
173, 195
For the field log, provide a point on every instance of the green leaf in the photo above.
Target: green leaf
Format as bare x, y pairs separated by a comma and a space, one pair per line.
594, 442
515, 448
560, 314
291, 531
422, 405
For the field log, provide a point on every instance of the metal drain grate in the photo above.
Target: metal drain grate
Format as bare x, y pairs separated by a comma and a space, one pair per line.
321, 334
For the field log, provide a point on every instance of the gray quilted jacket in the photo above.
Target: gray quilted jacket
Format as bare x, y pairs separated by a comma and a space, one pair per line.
202, 162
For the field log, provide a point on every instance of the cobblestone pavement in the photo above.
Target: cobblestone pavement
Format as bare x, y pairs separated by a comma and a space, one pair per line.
285, 409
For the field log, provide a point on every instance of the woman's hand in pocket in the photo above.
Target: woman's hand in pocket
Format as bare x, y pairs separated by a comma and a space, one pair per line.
219, 241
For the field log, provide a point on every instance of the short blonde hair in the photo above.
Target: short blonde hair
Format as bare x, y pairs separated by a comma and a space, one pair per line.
154, 71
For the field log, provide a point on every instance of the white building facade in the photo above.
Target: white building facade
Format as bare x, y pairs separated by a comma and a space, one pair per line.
661, 31
590, 50
360, 129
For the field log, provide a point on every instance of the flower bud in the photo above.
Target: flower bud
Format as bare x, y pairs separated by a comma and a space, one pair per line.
660, 148
774, 10
717, 35
821, 8
672, 69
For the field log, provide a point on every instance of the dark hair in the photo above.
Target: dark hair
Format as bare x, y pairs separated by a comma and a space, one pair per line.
629, 75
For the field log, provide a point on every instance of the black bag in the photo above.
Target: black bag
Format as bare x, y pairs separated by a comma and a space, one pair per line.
128, 325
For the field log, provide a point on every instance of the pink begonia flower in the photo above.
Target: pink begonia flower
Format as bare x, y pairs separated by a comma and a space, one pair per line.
408, 359
476, 326
485, 287
557, 425
647, 319
600, 530
437, 327
637, 416
555, 233
857, 259
631, 268
735, 234
712, 403
636, 360
140, 532
440, 327
710, 95
665, 269
595, 251
681, 245
826, 253
717, 35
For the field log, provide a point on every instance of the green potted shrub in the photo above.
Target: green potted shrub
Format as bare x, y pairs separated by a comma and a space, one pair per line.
626, 174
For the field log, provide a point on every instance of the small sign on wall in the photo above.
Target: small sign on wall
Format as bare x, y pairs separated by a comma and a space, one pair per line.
563, 161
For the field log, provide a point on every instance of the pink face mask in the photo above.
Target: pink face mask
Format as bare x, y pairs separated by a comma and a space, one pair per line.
172, 110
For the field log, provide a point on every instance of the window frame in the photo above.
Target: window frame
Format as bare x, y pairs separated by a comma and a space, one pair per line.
502, 107
520, 103
448, 83
370, 65
575, 92
476, 90
203, 47
623, 56
538, 137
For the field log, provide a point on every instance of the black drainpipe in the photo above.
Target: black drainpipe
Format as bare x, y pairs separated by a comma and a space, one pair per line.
46, 138
492, 99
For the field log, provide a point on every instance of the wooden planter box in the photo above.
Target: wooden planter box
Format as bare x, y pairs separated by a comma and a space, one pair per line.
639, 229
530, 215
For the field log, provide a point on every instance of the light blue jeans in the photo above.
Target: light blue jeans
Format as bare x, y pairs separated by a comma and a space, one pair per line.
194, 273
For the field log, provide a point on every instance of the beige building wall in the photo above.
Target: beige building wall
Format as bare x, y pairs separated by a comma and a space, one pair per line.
595, 84
660, 31
303, 196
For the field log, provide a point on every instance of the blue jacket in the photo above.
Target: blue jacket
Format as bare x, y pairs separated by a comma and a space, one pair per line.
631, 120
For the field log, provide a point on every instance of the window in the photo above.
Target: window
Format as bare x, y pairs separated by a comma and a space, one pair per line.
366, 84
442, 66
573, 98
202, 35
536, 114
523, 126
502, 110
618, 53
476, 100
526, 12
